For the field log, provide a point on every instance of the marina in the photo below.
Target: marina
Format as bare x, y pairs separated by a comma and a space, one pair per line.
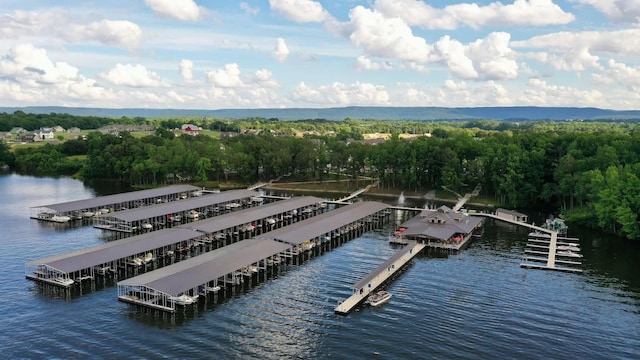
133, 255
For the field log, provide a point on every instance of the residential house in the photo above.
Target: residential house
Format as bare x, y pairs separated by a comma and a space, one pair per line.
191, 129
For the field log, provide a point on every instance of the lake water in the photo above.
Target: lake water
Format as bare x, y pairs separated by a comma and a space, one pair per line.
476, 305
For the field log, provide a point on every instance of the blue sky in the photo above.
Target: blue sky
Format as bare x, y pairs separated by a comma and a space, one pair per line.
303, 53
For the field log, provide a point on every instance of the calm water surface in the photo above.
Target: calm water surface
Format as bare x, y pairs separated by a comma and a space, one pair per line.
476, 305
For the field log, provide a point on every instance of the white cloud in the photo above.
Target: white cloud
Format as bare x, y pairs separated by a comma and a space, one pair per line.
415, 12
281, 51
118, 33
185, 10
57, 24
365, 63
227, 77
339, 93
133, 76
26, 63
263, 78
186, 69
618, 73
386, 38
493, 57
302, 11
620, 42
621, 11
248, 9
520, 12
541, 93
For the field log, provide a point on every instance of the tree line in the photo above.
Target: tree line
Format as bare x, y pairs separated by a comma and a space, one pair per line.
589, 172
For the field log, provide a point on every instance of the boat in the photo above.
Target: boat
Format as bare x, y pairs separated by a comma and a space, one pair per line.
568, 254
176, 218
571, 247
379, 298
147, 226
63, 280
182, 299
87, 214
193, 215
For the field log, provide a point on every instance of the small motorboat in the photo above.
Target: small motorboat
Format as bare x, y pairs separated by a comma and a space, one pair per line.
568, 253
182, 299
147, 226
379, 298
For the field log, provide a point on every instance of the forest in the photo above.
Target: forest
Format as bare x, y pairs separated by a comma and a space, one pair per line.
588, 171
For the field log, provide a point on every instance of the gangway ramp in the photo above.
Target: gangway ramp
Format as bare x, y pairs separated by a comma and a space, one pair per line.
374, 279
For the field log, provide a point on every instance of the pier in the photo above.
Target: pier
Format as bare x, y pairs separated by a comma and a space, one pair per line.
377, 277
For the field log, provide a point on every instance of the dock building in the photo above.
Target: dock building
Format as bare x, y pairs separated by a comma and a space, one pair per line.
443, 228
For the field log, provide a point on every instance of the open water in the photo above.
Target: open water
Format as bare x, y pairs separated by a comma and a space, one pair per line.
476, 305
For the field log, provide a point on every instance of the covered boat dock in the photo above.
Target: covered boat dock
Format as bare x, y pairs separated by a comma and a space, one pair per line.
152, 250
106, 204
162, 215
183, 282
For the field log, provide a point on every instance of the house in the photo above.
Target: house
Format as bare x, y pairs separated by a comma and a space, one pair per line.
58, 128
191, 129
511, 215
74, 130
18, 130
27, 138
45, 133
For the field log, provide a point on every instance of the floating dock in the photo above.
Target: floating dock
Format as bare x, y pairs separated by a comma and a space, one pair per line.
377, 277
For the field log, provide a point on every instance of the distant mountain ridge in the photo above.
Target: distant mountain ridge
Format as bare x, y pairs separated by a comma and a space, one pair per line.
513, 113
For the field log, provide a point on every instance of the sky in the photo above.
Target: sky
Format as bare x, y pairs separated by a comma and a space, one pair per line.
197, 54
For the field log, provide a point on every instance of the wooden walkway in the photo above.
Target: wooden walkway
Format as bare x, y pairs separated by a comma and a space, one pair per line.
377, 277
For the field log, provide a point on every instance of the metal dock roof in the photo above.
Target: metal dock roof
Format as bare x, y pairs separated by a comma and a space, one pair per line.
319, 225
151, 211
226, 221
117, 198
115, 250
184, 275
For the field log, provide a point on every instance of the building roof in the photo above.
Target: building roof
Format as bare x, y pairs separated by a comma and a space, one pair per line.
184, 275
151, 211
118, 198
319, 225
440, 224
226, 221
115, 250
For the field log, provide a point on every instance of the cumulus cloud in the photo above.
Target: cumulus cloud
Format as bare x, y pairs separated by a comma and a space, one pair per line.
302, 11
620, 11
618, 73
248, 9
28, 75
365, 63
133, 76
386, 38
281, 51
579, 51
117, 33
226, 77
185, 10
520, 12
339, 93
539, 92
263, 78
57, 24
186, 69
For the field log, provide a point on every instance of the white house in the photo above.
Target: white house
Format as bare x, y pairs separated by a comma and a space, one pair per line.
45, 133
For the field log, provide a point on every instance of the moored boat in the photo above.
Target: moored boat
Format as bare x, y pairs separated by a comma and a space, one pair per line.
182, 299
379, 298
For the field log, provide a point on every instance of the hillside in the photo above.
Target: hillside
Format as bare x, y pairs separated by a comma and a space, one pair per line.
514, 113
